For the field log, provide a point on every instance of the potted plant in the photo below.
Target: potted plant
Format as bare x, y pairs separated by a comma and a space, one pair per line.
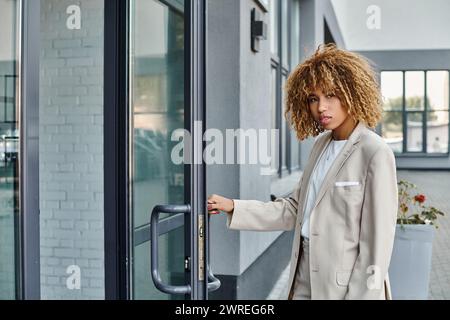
410, 267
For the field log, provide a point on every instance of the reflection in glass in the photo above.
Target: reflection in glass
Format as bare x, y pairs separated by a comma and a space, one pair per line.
283, 128
415, 90
157, 109
171, 266
274, 153
284, 31
415, 131
273, 11
392, 90
438, 90
392, 130
295, 33
9, 148
437, 132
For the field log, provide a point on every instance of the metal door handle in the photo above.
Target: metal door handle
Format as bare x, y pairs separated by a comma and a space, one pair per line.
154, 220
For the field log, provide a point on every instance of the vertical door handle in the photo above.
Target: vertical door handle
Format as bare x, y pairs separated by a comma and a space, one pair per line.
154, 220
213, 282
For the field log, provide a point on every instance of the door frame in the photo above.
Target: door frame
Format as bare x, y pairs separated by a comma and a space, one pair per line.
27, 227
116, 129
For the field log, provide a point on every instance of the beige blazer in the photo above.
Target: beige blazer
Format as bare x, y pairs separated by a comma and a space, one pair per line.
352, 225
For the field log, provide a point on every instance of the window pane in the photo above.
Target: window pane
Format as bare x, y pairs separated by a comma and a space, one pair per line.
415, 131
283, 129
392, 90
273, 8
157, 73
392, 130
437, 90
415, 90
284, 31
295, 33
437, 132
295, 148
274, 153
9, 149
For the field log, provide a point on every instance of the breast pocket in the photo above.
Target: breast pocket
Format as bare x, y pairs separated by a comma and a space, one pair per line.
348, 185
347, 197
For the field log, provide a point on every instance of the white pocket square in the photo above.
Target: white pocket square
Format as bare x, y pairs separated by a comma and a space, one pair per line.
347, 183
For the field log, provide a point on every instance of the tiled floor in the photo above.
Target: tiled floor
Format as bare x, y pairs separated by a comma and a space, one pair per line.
436, 186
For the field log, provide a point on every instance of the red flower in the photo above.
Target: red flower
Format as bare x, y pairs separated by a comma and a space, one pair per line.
420, 198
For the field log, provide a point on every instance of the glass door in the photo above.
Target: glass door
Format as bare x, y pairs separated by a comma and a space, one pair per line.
9, 149
168, 236
157, 106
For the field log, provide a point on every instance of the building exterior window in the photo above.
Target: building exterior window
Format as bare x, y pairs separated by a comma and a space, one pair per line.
285, 53
9, 149
416, 111
274, 30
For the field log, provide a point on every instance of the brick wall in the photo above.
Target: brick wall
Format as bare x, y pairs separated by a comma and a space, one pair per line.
71, 150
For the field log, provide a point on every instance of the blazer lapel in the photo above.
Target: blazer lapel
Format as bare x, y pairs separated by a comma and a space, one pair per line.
347, 150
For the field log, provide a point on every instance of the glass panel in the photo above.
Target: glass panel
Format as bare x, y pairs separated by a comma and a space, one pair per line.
273, 10
274, 153
171, 264
415, 131
438, 90
9, 148
71, 149
415, 90
295, 33
285, 32
295, 148
392, 130
283, 127
392, 90
437, 132
157, 107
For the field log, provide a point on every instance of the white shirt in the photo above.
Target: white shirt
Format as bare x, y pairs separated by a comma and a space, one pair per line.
321, 168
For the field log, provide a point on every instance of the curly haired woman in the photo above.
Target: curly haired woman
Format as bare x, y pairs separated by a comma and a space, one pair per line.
344, 208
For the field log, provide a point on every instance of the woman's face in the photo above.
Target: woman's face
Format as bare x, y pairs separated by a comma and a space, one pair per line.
327, 110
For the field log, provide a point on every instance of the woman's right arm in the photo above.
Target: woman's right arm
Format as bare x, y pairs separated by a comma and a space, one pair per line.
278, 215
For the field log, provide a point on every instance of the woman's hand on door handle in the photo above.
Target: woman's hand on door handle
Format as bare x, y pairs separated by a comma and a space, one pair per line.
217, 203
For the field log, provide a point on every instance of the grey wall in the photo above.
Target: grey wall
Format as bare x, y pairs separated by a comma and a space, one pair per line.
71, 150
223, 112
255, 113
238, 90
239, 96
413, 60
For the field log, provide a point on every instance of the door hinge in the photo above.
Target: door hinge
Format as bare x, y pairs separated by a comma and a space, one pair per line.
201, 247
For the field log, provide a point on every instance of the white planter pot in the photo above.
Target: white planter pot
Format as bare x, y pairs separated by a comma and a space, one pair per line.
410, 268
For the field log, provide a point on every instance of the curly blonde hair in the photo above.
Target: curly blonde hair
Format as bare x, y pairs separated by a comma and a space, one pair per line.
348, 75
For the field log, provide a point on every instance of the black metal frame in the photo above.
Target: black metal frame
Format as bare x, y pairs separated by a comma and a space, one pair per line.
422, 154
116, 146
116, 222
196, 105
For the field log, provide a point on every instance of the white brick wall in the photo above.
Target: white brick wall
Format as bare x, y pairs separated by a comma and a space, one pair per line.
71, 150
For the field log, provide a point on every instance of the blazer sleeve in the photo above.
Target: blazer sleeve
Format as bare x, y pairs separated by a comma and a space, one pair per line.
378, 223
278, 215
